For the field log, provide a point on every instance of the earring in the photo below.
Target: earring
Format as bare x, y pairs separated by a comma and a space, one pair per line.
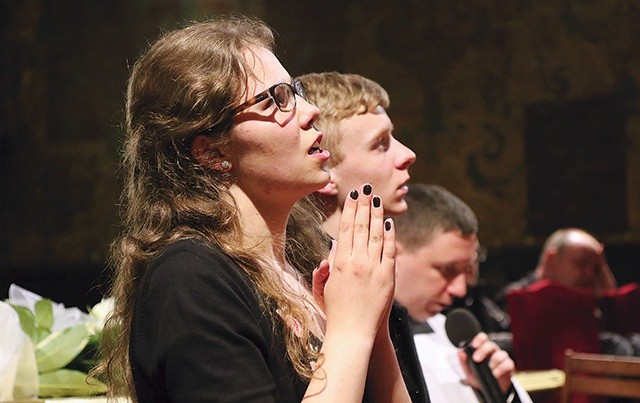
225, 165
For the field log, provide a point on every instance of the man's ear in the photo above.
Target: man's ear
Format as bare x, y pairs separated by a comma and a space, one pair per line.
330, 189
207, 153
551, 253
548, 263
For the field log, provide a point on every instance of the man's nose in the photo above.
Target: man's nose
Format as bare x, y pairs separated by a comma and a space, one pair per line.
458, 286
405, 156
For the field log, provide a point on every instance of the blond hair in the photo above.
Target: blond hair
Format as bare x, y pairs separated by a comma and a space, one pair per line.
340, 96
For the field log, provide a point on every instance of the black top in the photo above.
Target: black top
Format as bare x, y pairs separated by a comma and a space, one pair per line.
199, 334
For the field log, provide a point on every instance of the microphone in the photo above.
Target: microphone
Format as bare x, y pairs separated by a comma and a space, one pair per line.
461, 327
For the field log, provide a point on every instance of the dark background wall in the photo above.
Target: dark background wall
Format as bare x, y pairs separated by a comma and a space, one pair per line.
528, 110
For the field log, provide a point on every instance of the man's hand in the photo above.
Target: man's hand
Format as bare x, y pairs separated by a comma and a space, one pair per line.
605, 280
501, 365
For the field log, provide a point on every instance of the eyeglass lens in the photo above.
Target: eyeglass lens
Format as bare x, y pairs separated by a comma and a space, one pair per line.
299, 89
283, 97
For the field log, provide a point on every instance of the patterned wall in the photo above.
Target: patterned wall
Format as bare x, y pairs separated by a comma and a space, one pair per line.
463, 77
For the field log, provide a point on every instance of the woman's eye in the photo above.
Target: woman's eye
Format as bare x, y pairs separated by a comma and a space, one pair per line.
282, 99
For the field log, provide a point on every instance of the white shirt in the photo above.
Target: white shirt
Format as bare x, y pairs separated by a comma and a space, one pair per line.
442, 369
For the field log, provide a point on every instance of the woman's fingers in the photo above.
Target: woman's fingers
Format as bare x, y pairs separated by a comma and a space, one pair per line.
389, 246
359, 288
358, 224
376, 230
362, 221
365, 240
345, 231
320, 277
332, 253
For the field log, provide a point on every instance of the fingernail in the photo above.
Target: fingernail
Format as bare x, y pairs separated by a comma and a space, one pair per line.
366, 189
387, 225
354, 194
376, 201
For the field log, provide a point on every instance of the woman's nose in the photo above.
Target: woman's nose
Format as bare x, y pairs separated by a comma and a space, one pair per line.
309, 113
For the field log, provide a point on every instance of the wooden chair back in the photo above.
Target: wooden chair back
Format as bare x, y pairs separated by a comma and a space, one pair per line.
600, 375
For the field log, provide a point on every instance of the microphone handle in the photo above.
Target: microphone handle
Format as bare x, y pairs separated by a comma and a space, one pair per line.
490, 389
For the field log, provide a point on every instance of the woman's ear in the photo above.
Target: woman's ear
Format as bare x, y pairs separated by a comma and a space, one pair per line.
209, 154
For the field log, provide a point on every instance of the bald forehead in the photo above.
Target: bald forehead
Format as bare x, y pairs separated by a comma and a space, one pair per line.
579, 238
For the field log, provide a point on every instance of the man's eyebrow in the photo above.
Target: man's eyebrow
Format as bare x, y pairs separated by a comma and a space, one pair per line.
384, 132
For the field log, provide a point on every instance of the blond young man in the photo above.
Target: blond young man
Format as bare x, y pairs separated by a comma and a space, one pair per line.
359, 135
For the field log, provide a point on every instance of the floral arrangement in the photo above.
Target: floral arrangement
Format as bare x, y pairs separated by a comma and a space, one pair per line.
65, 342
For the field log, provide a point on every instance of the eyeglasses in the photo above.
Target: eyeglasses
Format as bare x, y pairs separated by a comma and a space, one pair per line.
482, 253
283, 96
449, 273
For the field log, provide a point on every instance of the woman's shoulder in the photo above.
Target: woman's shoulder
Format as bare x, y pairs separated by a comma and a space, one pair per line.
193, 255
192, 265
191, 248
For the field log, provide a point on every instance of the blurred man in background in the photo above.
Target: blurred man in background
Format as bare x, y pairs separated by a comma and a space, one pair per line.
437, 248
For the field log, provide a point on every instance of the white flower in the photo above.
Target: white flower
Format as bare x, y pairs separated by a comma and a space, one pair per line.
62, 317
100, 312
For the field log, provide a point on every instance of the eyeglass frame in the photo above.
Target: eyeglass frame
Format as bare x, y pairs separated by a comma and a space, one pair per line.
450, 274
295, 87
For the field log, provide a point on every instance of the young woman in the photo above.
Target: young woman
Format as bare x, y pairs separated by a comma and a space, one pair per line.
211, 303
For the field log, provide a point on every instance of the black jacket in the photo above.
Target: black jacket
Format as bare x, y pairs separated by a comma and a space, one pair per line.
402, 338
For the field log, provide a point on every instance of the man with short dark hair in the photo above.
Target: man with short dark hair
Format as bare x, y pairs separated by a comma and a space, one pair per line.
437, 246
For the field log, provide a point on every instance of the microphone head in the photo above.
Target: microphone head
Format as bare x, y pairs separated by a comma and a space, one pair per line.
461, 326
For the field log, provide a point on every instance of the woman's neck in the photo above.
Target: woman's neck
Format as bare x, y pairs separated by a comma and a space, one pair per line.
331, 224
263, 225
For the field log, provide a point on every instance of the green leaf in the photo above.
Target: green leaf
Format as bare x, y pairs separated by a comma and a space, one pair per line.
66, 382
60, 348
27, 321
88, 357
40, 335
44, 314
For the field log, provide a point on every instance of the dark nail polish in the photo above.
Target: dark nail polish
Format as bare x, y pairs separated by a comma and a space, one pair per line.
376, 202
366, 189
354, 194
387, 225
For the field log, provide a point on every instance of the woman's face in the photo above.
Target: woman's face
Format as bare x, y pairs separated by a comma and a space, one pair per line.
275, 154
